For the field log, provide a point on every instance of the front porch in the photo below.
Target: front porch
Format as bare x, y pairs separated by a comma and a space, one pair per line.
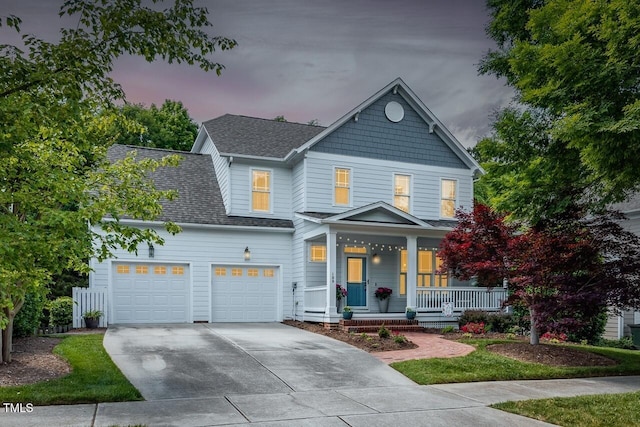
435, 308
380, 246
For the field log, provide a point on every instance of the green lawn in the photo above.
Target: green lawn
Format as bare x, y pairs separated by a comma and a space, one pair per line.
606, 410
94, 378
481, 365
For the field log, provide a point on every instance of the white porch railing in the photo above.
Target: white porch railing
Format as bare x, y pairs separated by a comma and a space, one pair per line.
315, 299
87, 299
431, 299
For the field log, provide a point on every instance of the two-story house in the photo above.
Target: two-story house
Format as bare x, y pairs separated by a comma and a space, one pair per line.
276, 214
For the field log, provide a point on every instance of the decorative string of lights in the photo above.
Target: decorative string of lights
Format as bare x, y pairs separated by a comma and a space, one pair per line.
379, 247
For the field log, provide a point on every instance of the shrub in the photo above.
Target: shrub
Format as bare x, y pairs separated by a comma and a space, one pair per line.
592, 331
501, 322
555, 337
624, 342
494, 322
61, 311
448, 329
399, 338
383, 332
30, 315
473, 316
474, 328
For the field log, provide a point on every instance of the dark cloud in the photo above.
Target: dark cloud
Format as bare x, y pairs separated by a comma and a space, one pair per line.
318, 59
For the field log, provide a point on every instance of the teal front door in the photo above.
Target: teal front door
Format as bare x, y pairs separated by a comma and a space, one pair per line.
356, 281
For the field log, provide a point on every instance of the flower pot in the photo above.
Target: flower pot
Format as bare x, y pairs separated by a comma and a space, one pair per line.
347, 315
92, 322
383, 305
339, 305
411, 315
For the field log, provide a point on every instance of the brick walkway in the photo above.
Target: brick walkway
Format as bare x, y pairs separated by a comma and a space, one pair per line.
429, 345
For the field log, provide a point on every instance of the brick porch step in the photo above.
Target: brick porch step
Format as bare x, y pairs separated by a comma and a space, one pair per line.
372, 325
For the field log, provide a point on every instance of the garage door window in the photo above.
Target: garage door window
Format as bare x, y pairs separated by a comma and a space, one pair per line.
268, 272
236, 272
178, 271
122, 269
221, 271
252, 272
160, 270
142, 269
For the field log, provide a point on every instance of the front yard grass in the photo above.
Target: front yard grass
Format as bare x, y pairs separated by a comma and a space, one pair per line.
593, 411
94, 378
482, 365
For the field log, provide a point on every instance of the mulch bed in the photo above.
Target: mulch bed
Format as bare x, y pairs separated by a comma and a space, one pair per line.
550, 354
367, 342
33, 361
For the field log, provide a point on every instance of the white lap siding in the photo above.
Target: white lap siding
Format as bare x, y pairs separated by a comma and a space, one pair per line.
203, 248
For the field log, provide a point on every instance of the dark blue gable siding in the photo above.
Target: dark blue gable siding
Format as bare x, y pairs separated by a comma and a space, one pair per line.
374, 136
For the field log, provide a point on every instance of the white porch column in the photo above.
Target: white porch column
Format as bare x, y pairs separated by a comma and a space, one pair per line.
331, 273
412, 270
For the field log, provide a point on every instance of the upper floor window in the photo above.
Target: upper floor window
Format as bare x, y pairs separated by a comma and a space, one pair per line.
448, 198
402, 192
260, 190
342, 189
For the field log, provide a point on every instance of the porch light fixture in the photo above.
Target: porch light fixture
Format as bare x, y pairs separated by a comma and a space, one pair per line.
247, 254
152, 250
376, 258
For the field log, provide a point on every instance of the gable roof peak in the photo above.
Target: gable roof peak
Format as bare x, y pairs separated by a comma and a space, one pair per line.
252, 136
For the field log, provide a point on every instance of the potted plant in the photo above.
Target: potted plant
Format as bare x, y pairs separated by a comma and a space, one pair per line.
341, 293
92, 318
383, 295
347, 313
411, 313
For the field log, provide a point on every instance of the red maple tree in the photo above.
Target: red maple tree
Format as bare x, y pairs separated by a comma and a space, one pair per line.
565, 270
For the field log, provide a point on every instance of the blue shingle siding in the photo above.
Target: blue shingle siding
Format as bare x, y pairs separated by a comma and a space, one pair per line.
374, 136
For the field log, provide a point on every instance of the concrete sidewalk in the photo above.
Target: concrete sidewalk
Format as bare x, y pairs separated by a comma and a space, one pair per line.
437, 405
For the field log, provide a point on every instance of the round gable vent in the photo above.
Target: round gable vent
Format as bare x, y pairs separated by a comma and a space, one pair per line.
394, 111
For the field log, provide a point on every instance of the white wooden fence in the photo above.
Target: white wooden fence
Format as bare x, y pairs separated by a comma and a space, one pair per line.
87, 299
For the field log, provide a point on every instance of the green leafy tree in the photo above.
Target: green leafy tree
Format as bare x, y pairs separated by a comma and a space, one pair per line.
169, 126
575, 62
57, 104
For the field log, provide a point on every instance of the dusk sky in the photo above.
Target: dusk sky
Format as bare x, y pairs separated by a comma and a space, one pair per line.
318, 59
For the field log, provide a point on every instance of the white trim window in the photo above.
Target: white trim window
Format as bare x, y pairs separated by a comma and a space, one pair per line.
260, 190
402, 192
448, 197
342, 186
318, 253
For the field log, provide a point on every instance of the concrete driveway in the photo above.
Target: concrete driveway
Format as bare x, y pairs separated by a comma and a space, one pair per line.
213, 360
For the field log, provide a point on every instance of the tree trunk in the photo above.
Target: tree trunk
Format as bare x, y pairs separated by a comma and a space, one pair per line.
7, 333
534, 339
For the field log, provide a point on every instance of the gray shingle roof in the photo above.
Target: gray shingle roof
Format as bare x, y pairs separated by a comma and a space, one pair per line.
258, 137
199, 199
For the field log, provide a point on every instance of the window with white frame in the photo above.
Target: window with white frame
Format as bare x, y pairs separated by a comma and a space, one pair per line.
448, 198
318, 253
260, 190
342, 186
428, 275
402, 192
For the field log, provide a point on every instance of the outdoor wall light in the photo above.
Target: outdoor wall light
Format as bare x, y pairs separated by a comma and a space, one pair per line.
247, 254
152, 250
376, 258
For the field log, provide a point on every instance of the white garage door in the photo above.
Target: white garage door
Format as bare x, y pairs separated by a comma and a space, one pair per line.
245, 294
150, 293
